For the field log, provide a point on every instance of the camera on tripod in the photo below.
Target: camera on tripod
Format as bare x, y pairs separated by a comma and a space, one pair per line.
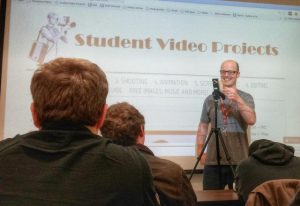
217, 93
216, 131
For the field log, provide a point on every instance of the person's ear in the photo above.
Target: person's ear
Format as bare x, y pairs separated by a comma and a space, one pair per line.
141, 137
35, 117
142, 133
102, 117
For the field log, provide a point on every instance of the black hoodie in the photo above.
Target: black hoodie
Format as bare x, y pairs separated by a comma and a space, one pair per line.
267, 160
271, 153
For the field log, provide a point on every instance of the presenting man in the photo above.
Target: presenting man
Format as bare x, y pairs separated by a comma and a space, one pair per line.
234, 114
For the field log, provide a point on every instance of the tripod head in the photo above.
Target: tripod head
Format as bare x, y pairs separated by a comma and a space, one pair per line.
217, 93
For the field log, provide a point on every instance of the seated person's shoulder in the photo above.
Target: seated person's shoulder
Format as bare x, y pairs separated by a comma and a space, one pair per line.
246, 163
124, 154
171, 164
8, 143
169, 167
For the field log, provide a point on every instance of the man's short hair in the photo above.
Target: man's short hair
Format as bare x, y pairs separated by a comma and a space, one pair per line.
123, 124
235, 62
70, 89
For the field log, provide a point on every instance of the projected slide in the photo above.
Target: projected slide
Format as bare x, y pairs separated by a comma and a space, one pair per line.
161, 56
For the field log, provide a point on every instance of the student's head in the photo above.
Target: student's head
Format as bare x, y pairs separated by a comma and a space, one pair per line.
69, 89
124, 124
255, 145
271, 153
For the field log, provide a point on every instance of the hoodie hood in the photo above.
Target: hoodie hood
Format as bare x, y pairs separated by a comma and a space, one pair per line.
271, 153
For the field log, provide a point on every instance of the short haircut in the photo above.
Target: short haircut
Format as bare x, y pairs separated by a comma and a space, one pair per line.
70, 89
123, 124
233, 61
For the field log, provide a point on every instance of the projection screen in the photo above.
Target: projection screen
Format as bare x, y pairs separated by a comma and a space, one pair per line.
161, 56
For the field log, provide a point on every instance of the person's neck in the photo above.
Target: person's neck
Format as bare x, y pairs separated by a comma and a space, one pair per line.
93, 129
140, 140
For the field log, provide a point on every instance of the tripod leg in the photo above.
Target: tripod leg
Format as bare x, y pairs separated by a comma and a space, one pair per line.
201, 153
216, 131
228, 158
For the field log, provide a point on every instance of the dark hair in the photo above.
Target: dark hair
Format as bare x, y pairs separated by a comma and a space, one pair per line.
123, 124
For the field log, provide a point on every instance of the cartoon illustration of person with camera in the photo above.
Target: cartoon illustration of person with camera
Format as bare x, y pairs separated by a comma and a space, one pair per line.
49, 37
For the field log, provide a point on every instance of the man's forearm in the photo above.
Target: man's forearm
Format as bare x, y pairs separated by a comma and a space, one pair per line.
247, 112
201, 136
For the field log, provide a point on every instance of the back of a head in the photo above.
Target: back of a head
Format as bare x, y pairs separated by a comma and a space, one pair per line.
255, 145
123, 124
69, 89
270, 152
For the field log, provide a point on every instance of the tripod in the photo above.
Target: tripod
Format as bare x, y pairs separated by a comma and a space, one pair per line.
218, 135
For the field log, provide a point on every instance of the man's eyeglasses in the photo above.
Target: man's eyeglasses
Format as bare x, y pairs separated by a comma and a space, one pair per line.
223, 72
